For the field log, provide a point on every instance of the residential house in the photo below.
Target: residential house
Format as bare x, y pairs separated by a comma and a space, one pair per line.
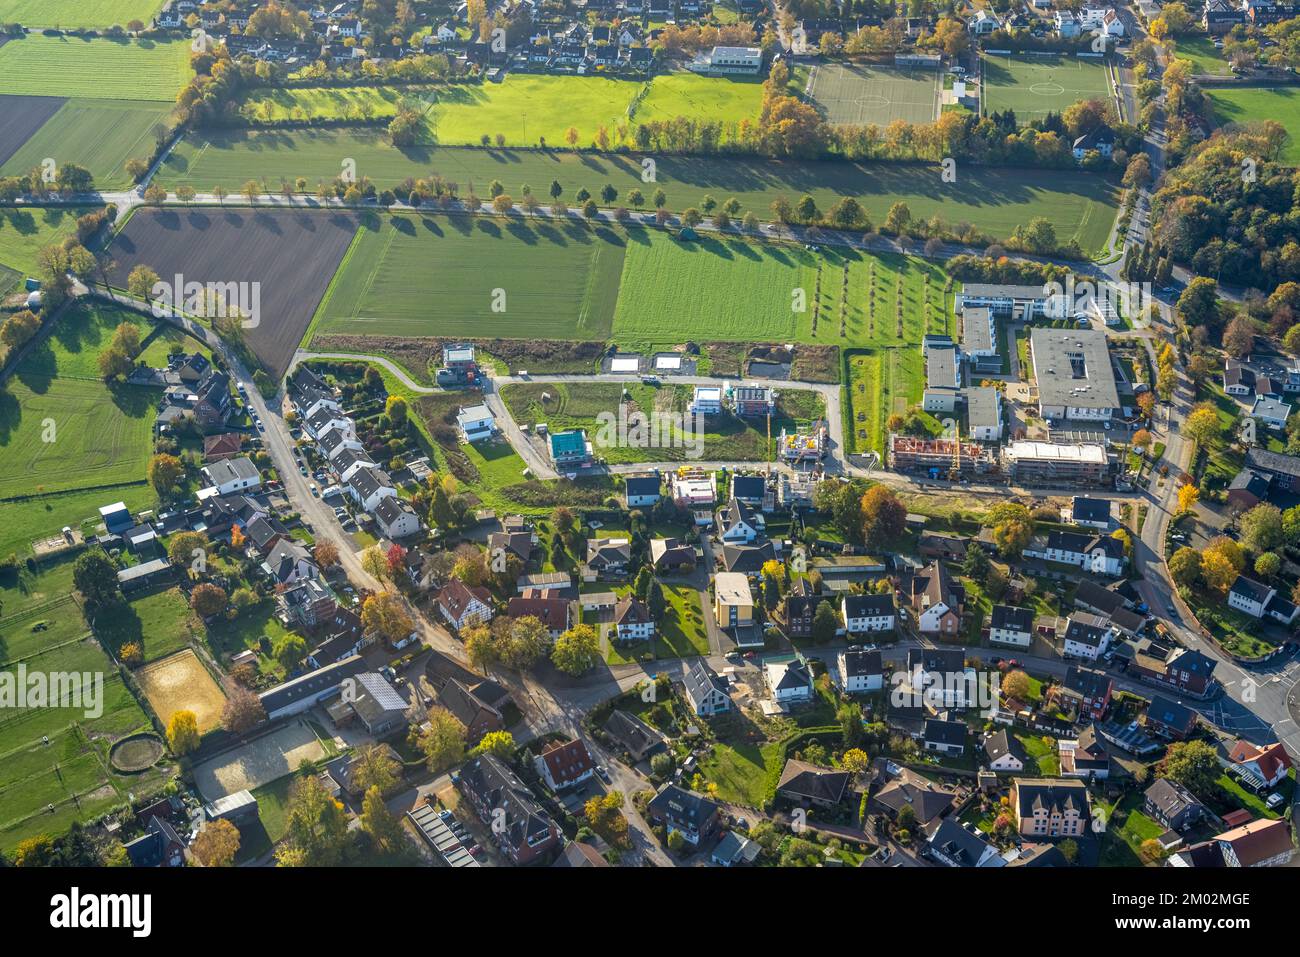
641, 491
377, 704
519, 544
788, 680
1184, 670
368, 486
1084, 757
224, 445
519, 825
1169, 719
937, 600
1259, 767
1050, 807
632, 621
607, 558
555, 614
476, 423
1092, 512
868, 614
306, 691
1100, 139
707, 400
749, 400
159, 846
944, 737
1246, 490
940, 676
1086, 636
669, 555
1098, 554
733, 602
749, 490
1220, 16
942, 545
747, 559
799, 607
706, 691
860, 670
1085, 692
1011, 626
570, 451
1259, 600
474, 706
807, 784
898, 787
230, 475
463, 606
738, 523
1005, 752
735, 851
564, 764
1257, 844
633, 735
1172, 805
953, 845
691, 815
289, 562
395, 518
213, 403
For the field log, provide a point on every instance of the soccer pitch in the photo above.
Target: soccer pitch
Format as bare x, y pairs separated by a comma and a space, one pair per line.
858, 94
1246, 105
1035, 86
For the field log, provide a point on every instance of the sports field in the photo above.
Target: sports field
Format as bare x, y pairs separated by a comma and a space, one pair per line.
1252, 104
58, 434
462, 276
1081, 205
109, 69
100, 135
860, 94
77, 13
181, 683
701, 98
1034, 86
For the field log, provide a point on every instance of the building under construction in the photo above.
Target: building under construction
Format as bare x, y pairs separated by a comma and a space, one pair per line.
796, 448
940, 458
1048, 463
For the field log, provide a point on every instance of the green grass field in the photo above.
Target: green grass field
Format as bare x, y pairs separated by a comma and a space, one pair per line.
59, 434
333, 103
1080, 205
77, 13
1252, 104
1203, 54
862, 94
100, 135
24, 232
527, 109
451, 276
702, 98
72, 349
108, 69
1033, 86
22, 522
160, 622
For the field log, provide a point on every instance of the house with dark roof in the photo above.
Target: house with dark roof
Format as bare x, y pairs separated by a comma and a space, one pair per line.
1100, 139
1085, 693
1183, 670
747, 559
788, 680
564, 764
937, 600
1050, 807
749, 489
306, 691
1169, 719
607, 558
739, 523
807, 784
1098, 554
1090, 596
1086, 636
868, 615
1004, 752
1282, 471
478, 715
944, 737
1246, 490
289, 562
633, 735
692, 815
706, 691
897, 787
1092, 512
641, 491
1262, 843
519, 825
798, 608
580, 854
1011, 626
1259, 601
159, 846
1084, 757
669, 555
860, 670
395, 518
1172, 805
951, 844
632, 621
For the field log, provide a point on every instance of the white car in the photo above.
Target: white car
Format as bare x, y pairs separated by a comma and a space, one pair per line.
1274, 800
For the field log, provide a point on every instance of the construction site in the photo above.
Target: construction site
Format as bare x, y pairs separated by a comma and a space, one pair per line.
941, 458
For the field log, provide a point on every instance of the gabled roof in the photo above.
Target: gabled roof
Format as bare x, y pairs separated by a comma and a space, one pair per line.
1251, 589
1096, 596
802, 779
518, 817
551, 612
1050, 794
1004, 743
465, 703
567, 760
700, 680
1087, 682
868, 606
1090, 509
1010, 618
859, 662
1170, 797
635, 485
1271, 758
958, 844
1170, 713
951, 733
455, 597
631, 611
1258, 841
681, 807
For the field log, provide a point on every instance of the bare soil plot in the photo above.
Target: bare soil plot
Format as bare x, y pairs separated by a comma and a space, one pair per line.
21, 117
179, 682
290, 254
259, 762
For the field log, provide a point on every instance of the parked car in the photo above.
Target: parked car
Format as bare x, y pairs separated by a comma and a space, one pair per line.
602, 772
1274, 800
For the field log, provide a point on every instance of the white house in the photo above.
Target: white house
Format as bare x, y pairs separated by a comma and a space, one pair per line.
706, 691
1099, 554
232, 475
476, 423
641, 490
1087, 636
1259, 600
860, 670
395, 518
740, 524
463, 606
868, 613
1005, 752
1011, 626
368, 486
349, 462
1272, 412
632, 621
983, 23
788, 680
707, 400
328, 420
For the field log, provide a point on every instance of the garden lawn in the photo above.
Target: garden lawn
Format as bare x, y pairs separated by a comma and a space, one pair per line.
97, 68
1253, 104
84, 331
1203, 54
334, 102
24, 232
27, 520
160, 623
745, 774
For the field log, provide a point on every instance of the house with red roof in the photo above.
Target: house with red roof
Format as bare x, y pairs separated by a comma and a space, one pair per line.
564, 764
1260, 767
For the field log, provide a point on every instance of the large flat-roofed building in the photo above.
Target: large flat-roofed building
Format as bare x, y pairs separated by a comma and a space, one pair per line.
724, 60
984, 414
1030, 463
1074, 375
1002, 300
979, 338
942, 374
